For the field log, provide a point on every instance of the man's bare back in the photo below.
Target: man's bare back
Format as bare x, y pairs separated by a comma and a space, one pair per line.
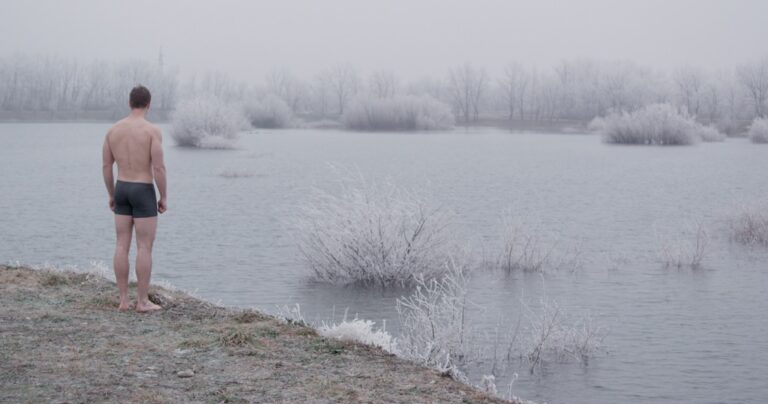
136, 146
130, 141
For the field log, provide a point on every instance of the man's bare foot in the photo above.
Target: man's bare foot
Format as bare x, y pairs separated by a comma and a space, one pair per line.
147, 307
124, 304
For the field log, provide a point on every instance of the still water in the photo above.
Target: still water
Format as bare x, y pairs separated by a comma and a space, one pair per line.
673, 335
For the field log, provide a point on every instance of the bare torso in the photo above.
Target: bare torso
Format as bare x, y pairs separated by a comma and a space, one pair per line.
130, 140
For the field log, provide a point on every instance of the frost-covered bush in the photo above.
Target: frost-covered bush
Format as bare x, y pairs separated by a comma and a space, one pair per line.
750, 227
434, 330
371, 233
362, 331
596, 125
657, 124
709, 134
550, 335
758, 131
206, 123
269, 112
688, 251
521, 248
400, 113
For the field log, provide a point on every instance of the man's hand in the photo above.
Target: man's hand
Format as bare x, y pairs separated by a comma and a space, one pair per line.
162, 205
112, 204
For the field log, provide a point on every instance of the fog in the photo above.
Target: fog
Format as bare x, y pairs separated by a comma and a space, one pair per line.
414, 39
497, 225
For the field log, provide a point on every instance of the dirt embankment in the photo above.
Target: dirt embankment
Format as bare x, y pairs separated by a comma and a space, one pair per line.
63, 340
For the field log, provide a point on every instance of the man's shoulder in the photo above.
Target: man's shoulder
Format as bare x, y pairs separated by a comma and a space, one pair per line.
115, 126
153, 130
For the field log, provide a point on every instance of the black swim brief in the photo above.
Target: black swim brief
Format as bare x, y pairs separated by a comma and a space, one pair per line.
135, 199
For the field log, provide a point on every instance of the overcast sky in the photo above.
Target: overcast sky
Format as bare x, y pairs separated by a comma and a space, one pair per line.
414, 38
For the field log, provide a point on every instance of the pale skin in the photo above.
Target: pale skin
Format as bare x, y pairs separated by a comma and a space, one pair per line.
136, 146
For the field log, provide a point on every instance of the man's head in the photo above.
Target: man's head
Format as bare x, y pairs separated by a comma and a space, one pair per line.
140, 97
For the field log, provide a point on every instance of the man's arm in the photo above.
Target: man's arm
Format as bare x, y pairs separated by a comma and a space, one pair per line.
158, 168
107, 161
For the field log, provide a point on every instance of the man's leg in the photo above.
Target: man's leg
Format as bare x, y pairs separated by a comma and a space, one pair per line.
145, 237
123, 228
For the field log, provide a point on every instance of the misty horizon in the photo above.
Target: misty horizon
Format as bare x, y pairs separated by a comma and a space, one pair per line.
247, 41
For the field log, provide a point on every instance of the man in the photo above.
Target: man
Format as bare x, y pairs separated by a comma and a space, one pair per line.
136, 146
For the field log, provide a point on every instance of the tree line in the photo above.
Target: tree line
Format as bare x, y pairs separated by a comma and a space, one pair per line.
571, 90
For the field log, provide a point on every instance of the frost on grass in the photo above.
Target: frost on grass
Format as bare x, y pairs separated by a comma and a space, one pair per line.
399, 113
361, 331
373, 234
269, 112
94, 270
688, 250
750, 227
758, 131
291, 315
656, 124
434, 330
206, 123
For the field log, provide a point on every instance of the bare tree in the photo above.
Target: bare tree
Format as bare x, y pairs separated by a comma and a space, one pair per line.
434, 88
344, 83
52, 84
321, 94
282, 83
467, 87
689, 85
564, 100
383, 84
754, 77
513, 86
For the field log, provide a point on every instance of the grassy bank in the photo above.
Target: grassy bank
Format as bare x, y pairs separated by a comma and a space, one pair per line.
63, 340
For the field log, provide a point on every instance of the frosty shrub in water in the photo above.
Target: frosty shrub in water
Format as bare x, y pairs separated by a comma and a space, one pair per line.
758, 131
371, 233
434, 330
657, 124
399, 113
522, 249
688, 251
550, 335
206, 123
750, 227
269, 112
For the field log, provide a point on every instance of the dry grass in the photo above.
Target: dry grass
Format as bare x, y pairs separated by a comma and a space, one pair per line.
236, 336
75, 345
248, 316
54, 279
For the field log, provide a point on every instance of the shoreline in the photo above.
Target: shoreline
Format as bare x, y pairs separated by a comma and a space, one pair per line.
553, 127
64, 340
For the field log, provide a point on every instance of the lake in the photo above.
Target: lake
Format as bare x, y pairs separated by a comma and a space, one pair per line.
673, 335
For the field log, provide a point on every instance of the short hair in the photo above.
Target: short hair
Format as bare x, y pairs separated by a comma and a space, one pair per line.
140, 97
